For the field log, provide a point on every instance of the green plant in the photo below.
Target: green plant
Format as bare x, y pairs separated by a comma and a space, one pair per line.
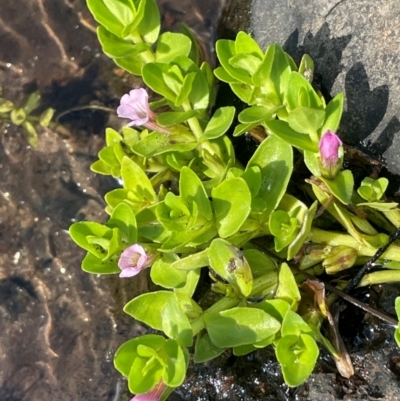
187, 204
21, 116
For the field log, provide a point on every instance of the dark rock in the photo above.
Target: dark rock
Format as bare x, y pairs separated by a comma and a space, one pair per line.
355, 46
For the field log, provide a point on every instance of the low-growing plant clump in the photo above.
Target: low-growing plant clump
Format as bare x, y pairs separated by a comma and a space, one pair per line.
187, 204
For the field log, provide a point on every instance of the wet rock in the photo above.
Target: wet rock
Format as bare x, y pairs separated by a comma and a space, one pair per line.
355, 48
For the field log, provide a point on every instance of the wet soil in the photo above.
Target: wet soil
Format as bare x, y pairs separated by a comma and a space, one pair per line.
60, 326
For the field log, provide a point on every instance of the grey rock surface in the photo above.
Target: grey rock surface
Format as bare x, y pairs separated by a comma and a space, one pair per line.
356, 49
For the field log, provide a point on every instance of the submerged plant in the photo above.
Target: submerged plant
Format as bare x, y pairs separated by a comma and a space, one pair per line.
186, 204
21, 116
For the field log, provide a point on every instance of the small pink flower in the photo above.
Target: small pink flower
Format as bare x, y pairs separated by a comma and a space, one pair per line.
133, 260
329, 150
135, 107
153, 395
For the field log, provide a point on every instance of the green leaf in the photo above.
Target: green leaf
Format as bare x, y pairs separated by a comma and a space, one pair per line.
333, 114
244, 43
209, 77
176, 325
157, 143
164, 273
257, 114
243, 349
114, 15
107, 156
175, 371
30, 134
92, 264
381, 206
281, 224
186, 89
205, 350
240, 129
232, 204
282, 130
148, 308
116, 47
252, 176
274, 158
46, 117
244, 92
175, 215
219, 123
263, 75
133, 64
373, 190
239, 326
293, 324
171, 45
192, 190
302, 236
247, 62
297, 356
259, 262
6, 105
193, 261
136, 180
280, 71
312, 163
229, 262
124, 219
32, 102
397, 332
225, 50
152, 74
18, 116
223, 76
200, 94
283, 228
149, 26
80, 232
100, 167
306, 120
128, 351
175, 117
341, 186
287, 287
277, 308
299, 92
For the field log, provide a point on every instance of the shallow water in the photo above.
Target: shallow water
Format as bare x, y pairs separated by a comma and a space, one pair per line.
60, 326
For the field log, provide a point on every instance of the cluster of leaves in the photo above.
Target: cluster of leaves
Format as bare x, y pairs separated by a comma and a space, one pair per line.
192, 205
21, 116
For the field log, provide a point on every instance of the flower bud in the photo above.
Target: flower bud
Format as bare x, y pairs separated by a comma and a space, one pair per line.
339, 258
153, 395
331, 154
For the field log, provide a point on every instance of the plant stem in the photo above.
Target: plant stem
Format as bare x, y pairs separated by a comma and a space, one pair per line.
146, 56
380, 277
193, 122
260, 284
319, 236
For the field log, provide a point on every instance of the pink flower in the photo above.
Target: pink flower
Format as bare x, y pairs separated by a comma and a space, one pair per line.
135, 107
329, 150
153, 395
133, 260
